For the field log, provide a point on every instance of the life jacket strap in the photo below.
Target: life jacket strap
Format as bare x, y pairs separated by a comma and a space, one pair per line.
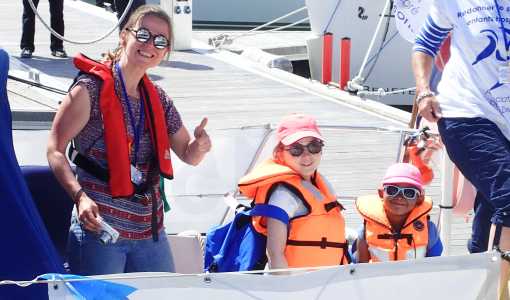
86, 164
396, 237
99, 172
323, 244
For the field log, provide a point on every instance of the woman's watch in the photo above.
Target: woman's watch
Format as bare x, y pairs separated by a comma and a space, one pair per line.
424, 95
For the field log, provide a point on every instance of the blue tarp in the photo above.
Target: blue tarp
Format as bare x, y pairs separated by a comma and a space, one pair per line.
26, 249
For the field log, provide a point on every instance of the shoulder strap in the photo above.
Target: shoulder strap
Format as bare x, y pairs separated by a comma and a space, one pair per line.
268, 210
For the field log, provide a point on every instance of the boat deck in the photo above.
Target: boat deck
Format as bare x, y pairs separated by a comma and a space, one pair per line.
230, 91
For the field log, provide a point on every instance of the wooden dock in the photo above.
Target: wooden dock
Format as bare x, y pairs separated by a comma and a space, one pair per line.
230, 91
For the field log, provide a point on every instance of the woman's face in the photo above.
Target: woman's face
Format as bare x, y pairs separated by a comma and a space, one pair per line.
305, 164
145, 55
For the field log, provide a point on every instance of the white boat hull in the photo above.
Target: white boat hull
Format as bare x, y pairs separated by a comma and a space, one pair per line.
456, 277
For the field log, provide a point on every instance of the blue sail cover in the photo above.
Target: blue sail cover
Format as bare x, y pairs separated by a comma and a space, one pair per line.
26, 249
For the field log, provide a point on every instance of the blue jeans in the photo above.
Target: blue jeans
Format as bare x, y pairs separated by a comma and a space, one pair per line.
482, 154
88, 256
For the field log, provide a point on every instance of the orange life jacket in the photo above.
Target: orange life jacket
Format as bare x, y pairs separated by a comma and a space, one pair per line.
315, 239
386, 245
115, 133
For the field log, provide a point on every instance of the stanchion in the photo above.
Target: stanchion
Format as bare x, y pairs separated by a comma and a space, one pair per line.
327, 50
345, 62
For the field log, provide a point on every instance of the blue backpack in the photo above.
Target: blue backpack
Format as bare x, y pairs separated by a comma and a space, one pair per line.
237, 246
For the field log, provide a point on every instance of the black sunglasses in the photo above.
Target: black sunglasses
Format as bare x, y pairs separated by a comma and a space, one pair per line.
143, 35
297, 149
409, 193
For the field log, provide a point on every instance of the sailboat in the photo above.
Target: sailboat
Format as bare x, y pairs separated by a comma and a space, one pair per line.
198, 202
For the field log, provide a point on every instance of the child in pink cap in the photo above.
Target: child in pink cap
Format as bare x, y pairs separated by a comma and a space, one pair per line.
396, 221
306, 227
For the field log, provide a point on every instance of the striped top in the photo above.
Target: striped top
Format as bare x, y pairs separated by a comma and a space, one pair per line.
475, 79
430, 37
130, 217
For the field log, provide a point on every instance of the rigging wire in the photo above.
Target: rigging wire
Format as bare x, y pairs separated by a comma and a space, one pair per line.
375, 58
221, 39
356, 83
38, 85
332, 16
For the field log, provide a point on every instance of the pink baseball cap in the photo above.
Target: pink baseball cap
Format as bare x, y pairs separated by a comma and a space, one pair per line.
403, 173
294, 127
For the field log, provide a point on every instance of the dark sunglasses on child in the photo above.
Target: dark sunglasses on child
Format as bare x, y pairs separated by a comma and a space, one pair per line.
143, 35
297, 149
409, 193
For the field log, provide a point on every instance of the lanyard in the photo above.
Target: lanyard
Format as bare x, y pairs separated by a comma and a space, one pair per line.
502, 28
137, 130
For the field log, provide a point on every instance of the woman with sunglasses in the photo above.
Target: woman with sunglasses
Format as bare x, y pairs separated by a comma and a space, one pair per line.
122, 127
396, 221
309, 230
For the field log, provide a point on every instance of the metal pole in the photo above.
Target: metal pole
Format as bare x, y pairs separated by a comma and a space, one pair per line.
445, 211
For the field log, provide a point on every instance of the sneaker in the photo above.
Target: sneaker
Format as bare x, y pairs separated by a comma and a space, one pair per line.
26, 53
59, 53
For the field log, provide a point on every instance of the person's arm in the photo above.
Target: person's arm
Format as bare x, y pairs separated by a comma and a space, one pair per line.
434, 246
276, 242
192, 152
428, 41
277, 230
428, 106
71, 118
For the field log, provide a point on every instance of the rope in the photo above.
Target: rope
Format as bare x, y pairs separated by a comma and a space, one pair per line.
279, 18
56, 34
127, 276
354, 84
272, 30
219, 40
382, 45
38, 85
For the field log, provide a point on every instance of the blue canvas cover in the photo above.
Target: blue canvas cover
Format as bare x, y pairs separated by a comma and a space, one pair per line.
26, 249
237, 246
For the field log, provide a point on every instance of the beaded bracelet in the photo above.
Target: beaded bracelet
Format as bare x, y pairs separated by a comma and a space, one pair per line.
424, 95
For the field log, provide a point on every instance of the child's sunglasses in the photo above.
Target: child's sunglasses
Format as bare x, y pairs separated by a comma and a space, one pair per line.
143, 35
409, 193
297, 149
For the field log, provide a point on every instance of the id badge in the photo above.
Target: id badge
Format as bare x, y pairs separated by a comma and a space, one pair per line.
136, 175
504, 74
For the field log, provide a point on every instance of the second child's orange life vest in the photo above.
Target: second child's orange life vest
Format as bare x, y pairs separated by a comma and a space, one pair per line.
384, 244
